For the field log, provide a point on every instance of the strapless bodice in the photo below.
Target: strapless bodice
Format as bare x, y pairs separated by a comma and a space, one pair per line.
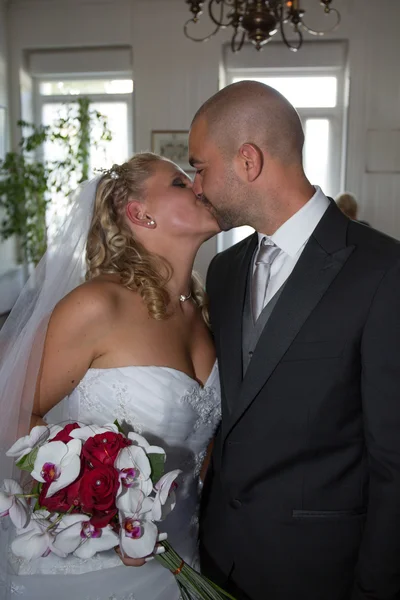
163, 404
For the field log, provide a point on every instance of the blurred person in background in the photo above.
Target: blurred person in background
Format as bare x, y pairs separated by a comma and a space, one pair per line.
349, 206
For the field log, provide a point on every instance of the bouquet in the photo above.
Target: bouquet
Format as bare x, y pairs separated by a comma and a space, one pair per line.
95, 488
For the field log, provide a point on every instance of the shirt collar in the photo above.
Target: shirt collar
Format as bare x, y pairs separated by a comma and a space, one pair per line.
295, 232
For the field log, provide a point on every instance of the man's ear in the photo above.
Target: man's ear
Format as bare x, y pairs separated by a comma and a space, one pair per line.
135, 212
251, 161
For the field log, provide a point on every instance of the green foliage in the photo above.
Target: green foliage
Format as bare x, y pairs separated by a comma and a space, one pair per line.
76, 131
157, 466
23, 188
27, 462
27, 182
36, 489
118, 426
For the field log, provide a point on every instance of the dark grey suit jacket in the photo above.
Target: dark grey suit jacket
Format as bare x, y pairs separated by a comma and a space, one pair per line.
302, 500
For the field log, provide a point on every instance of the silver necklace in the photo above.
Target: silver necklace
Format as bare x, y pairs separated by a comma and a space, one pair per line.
183, 298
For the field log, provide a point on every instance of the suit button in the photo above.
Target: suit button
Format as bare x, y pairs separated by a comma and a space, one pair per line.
235, 503
251, 353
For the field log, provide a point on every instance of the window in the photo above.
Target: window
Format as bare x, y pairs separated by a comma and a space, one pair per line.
318, 97
112, 98
303, 92
81, 87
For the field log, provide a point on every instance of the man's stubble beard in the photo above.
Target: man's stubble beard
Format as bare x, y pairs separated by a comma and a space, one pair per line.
228, 216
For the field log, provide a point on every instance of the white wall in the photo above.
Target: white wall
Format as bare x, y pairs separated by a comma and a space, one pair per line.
173, 76
10, 275
3, 61
374, 112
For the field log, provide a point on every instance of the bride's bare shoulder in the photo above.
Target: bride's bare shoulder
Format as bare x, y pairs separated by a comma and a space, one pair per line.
97, 301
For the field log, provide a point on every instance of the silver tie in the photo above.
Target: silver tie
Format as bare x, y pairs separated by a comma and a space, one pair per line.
265, 256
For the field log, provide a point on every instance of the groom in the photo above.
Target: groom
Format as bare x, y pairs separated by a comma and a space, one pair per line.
302, 498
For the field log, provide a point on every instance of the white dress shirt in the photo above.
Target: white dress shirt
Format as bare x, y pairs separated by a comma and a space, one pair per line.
291, 239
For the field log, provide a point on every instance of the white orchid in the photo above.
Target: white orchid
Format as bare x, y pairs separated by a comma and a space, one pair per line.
131, 501
37, 539
13, 504
165, 499
134, 470
76, 534
138, 534
54, 429
38, 436
58, 464
84, 433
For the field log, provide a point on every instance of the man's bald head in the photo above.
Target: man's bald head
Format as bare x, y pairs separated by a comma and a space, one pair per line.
252, 112
246, 144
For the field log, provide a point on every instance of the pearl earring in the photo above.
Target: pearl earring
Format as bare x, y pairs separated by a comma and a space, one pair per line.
152, 222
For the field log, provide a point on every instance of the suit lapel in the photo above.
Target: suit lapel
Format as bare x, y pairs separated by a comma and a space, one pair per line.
312, 276
231, 325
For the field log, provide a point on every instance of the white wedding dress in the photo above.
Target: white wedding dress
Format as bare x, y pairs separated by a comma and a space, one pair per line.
169, 408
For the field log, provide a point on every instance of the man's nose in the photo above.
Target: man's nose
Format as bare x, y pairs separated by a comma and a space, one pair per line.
197, 189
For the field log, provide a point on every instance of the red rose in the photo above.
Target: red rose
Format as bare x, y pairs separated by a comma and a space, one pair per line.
61, 501
103, 518
63, 436
102, 449
56, 503
98, 489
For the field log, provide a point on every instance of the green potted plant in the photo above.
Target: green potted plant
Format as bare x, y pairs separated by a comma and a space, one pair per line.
23, 195
28, 182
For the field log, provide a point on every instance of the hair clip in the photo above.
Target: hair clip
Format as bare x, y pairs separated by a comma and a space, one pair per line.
114, 174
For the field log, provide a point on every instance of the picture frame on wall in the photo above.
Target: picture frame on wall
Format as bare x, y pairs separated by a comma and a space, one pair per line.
172, 144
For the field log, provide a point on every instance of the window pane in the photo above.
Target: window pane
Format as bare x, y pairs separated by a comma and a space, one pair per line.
115, 151
102, 157
303, 92
316, 152
51, 113
86, 86
53, 151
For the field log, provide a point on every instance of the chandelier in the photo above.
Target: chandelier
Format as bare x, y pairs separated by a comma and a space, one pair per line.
257, 20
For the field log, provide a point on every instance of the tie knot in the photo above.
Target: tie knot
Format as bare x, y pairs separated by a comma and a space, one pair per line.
266, 252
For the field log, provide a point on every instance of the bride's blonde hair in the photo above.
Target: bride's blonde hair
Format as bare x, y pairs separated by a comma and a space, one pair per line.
112, 248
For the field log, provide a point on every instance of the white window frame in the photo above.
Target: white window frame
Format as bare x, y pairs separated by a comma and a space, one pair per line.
40, 100
336, 116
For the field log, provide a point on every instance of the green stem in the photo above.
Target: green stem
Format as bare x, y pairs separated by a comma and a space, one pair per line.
191, 583
59, 518
26, 495
84, 136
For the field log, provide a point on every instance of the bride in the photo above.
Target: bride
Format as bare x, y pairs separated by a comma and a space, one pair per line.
131, 343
